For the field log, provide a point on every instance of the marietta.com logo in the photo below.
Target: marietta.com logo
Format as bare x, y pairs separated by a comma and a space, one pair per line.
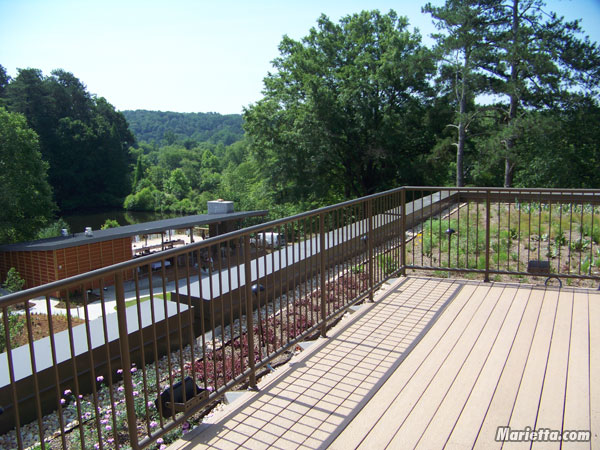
506, 434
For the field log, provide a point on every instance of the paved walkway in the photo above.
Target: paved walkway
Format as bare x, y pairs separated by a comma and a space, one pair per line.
95, 308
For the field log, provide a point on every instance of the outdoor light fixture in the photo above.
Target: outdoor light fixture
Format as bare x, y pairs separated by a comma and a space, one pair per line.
450, 231
256, 288
178, 405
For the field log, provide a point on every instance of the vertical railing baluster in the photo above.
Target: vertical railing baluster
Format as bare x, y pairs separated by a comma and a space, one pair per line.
487, 235
59, 393
11, 373
322, 270
403, 231
126, 360
249, 315
370, 239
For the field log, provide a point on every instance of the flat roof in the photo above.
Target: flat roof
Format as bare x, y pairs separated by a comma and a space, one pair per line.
157, 226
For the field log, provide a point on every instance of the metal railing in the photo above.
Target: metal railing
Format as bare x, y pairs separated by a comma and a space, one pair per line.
168, 334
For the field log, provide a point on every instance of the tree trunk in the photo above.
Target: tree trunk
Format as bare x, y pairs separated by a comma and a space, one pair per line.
460, 177
462, 126
509, 164
508, 172
460, 149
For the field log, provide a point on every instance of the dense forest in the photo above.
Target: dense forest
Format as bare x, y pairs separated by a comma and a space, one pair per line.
508, 96
167, 127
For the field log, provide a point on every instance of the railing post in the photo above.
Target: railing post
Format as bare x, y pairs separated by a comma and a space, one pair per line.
126, 360
323, 278
370, 239
249, 312
487, 235
403, 231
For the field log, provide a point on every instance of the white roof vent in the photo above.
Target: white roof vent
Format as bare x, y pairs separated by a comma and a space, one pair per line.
220, 206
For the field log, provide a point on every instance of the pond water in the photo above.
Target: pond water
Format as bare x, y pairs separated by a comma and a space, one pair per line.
77, 222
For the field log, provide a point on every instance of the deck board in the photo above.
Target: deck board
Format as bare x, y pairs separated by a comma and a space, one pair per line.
407, 399
526, 404
551, 408
466, 428
577, 397
451, 407
594, 330
362, 425
500, 408
433, 364
418, 420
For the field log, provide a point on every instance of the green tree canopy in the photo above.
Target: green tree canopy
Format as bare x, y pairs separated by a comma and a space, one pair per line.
345, 112
25, 196
83, 139
463, 50
537, 61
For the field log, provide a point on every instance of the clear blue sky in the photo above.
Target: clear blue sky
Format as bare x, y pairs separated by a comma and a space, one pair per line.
185, 55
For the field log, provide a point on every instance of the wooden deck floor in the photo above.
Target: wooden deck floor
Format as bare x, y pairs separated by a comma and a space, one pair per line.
431, 364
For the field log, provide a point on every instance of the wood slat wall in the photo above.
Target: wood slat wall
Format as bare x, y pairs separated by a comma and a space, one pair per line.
41, 267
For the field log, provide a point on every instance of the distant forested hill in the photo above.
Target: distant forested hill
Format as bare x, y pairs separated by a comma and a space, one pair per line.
168, 127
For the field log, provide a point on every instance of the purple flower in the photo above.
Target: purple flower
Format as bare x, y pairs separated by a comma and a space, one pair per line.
63, 401
96, 445
67, 392
133, 370
162, 447
80, 396
99, 378
104, 421
108, 428
153, 424
120, 389
150, 405
120, 371
136, 393
160, 441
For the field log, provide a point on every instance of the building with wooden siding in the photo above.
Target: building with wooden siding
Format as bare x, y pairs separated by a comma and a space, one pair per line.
47, 260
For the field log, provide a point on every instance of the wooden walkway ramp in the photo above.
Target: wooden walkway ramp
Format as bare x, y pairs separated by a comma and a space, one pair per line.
431, 364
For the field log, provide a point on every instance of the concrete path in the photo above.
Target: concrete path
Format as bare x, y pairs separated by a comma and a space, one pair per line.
95, 308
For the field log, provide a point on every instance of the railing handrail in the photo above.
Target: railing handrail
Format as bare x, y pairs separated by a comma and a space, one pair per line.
16, 297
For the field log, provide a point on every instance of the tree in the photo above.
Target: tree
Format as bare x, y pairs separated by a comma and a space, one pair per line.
25, 196
177, 184
13, 281
4, 80
560, 147
537, 62
343, 114
53, 229
138, 172
463, 49
83, 139
110, 223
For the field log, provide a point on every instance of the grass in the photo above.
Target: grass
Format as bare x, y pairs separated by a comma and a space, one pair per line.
133, 301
